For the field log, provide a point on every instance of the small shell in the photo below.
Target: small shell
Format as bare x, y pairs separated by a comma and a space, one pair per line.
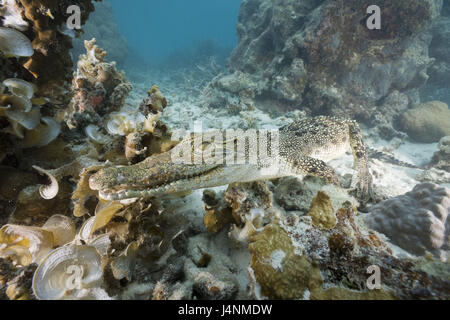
117, 124
50, 191
103, 214
67, 272
16, 129
123, 265
14, 44
17, 103
43, 134
16, 240
92, 132
20, 88
121, 123
62, 227
86, 229
101, 243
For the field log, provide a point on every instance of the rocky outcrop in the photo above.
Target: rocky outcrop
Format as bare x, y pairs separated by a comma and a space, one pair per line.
306, 55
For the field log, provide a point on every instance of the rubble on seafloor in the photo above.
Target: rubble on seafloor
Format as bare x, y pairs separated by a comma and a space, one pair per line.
284, 239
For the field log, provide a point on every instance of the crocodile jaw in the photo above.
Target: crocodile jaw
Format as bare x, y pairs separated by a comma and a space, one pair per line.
222, 175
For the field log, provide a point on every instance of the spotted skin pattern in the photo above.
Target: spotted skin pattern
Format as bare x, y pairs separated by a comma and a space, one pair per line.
304, 148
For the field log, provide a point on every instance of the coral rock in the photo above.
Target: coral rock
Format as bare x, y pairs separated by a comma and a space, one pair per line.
428, 122
98, 88
322, 211
280, 272
416, 221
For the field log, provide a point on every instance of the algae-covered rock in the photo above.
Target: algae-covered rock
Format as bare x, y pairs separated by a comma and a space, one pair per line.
281, 273
243, 197
428, 122
217, 214
293, 194
322, 211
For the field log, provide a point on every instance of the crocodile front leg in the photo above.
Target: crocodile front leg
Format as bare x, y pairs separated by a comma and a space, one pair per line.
363, 179
313, 167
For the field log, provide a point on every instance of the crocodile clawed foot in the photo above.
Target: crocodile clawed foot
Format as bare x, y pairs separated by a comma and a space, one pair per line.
365, 191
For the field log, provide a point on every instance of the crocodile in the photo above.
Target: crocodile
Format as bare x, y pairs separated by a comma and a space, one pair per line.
304, 148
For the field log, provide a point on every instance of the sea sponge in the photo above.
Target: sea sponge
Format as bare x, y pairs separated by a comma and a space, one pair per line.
155, 103
243, 197
429, 122
416, 221
293, 194
441, 158
14, 44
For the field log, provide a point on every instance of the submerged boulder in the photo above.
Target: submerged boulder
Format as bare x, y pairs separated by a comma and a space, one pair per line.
416, 221
429, 122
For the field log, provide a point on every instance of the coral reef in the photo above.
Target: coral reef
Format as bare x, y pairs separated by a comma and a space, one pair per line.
322, 212
306, 55
416, 221
42, 21
64, 134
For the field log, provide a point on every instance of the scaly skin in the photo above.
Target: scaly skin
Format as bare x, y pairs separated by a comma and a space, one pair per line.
304, 147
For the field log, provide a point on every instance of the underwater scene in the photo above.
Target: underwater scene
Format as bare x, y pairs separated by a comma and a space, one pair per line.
224, 150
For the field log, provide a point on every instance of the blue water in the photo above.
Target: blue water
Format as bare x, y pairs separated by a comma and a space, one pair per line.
156, 29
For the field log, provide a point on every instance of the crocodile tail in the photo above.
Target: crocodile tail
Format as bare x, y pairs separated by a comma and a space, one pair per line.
380, 155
